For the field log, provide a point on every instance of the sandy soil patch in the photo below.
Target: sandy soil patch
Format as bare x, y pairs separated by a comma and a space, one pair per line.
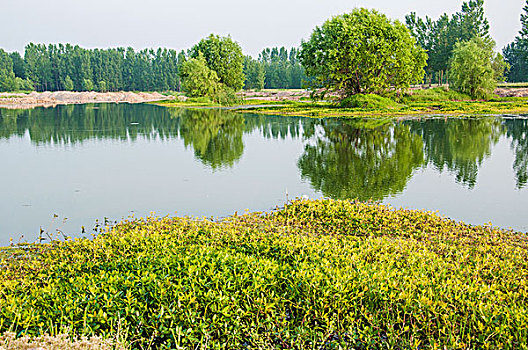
50, 99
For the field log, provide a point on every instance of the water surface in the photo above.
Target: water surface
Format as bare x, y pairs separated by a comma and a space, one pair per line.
66, 167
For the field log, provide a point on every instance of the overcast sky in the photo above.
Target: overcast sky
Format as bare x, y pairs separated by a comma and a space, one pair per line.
179, 24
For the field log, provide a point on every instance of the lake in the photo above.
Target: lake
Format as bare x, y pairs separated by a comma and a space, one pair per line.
63, 168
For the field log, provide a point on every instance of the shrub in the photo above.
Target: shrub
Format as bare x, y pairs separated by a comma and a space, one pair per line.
316, 274
369, 101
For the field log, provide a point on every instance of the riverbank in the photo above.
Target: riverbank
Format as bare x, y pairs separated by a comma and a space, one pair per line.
316, 274
51, 99
414, 109
420, 102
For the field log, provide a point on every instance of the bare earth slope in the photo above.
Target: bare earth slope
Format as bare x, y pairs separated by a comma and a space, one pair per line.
49, 99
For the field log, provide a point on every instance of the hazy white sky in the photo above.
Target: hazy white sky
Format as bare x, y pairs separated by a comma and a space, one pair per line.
178, 24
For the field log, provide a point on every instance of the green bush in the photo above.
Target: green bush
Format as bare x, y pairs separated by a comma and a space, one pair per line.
438, 94
316, 274
369, 102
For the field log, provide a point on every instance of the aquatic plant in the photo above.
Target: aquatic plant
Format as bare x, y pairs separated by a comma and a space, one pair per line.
315, 274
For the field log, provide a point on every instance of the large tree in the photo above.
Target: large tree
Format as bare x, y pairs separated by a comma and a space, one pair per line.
224, 56
363, 52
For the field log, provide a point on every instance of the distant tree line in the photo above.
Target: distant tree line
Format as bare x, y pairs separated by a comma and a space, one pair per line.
72, 68
275, 68
68, 67
439, 37
516, 53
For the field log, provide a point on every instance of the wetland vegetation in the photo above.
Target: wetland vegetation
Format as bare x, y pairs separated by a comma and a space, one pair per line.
316, 274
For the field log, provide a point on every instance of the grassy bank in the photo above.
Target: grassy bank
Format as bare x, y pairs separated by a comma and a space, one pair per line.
436, 101
315, 275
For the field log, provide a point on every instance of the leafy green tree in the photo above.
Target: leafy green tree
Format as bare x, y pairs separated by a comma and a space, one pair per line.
198, 80
516, 53
19, 67
515, 57
223, 56
471, 21
68, 83
7, 76
24, 84
363, 52
102, 86
88, 85
254, 73
472, 67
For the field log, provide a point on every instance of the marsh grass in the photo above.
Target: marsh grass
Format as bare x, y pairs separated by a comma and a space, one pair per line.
314, 275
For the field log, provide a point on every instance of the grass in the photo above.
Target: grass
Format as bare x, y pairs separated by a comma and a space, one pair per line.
513, 85
370, 102
315, 275
408, 106
435, 101
433, 95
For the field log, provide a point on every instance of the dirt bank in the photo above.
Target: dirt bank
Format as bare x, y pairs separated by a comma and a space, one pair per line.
512, 92
50, 99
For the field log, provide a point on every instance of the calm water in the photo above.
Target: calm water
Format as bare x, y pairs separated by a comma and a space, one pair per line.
66, 167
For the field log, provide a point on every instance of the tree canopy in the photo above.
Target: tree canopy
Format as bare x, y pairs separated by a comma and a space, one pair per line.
475, 67
224, 56
439, 37
363, 52
516, 53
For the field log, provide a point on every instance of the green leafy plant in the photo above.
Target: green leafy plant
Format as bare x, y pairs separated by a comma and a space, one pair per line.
315, 274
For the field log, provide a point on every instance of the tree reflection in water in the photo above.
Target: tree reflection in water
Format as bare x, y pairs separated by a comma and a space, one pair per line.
351, 159
364, 159
459, 145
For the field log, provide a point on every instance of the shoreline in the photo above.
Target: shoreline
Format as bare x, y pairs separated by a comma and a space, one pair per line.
51, 99
287, 106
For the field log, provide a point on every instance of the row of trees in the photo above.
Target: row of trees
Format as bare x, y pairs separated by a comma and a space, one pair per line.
358, 52
68, 67
275, 68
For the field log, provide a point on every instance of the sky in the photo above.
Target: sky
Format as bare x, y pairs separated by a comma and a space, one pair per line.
179, 24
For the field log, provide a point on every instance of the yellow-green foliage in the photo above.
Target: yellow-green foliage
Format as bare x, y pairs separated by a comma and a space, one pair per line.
315, 275
415, 107
369, 101
434, 95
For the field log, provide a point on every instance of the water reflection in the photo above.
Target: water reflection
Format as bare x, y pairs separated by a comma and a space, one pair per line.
458, 145
517, 130
341, 159
215, 136
352, 159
